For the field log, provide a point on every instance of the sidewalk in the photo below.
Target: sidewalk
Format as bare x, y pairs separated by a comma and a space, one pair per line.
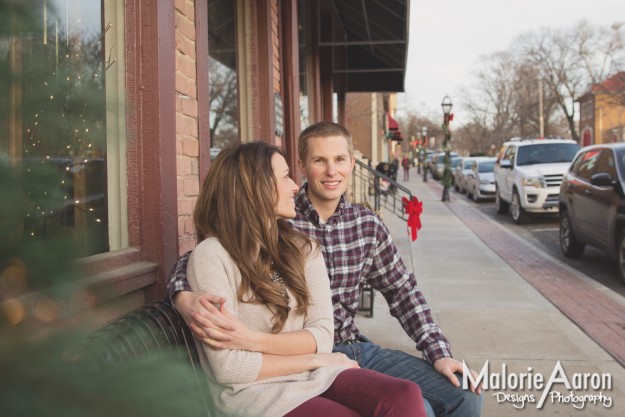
487, 290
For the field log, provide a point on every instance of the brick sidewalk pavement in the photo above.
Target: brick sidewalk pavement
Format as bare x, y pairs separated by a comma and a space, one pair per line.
598, 315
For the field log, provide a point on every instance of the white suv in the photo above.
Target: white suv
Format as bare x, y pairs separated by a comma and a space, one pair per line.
528, 173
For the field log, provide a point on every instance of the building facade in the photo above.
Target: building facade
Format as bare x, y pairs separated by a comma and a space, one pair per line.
126, 102
602, 112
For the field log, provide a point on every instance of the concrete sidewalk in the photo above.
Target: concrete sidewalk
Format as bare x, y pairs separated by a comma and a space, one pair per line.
485, 290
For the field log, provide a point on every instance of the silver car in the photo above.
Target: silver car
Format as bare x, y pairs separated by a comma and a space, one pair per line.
460, 173
481, 180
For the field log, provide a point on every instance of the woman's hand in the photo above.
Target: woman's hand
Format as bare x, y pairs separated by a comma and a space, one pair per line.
326, 359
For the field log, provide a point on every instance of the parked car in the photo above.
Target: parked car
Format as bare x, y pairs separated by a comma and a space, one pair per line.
437, 166
480, 181
592, 203
528, 174
460, 173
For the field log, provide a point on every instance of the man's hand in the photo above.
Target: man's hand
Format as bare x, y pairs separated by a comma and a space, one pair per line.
223, 330
449, 366
189, 304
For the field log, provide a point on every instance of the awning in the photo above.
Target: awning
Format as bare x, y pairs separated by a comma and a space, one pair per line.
392, 128
370, 54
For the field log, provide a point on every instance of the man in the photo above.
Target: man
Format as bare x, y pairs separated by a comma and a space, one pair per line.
357, 249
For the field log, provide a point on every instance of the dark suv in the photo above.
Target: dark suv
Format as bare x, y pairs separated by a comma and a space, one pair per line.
592, 203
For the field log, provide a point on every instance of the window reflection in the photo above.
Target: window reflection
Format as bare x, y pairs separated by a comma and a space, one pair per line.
303, 35
53, 122
222, 75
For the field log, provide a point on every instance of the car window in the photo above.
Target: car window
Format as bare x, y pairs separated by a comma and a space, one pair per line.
546, 153
466, 164
509, 154
605, 163
586, 164
486, 166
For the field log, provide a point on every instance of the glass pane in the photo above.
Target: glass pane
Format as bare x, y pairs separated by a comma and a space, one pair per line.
53, 122
303, 67
222, 75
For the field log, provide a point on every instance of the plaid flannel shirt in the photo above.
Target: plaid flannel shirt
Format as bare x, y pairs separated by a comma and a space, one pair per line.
358, 249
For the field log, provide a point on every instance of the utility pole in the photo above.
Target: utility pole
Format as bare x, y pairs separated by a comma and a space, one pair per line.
541, 118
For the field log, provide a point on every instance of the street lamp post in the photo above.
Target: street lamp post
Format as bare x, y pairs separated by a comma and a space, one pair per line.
424, 134
447, 117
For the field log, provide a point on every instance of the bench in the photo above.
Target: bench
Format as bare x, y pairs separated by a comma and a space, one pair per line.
367, 296
155, 328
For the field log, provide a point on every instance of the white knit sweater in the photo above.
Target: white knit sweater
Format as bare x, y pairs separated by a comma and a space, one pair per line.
232, 373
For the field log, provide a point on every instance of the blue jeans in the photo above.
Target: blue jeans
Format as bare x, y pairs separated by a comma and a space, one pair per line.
442, 398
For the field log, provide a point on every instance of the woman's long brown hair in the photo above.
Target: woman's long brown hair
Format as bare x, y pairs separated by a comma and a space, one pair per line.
237, 205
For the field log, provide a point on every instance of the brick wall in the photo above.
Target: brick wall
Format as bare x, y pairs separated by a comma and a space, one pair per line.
187, 144
358, 120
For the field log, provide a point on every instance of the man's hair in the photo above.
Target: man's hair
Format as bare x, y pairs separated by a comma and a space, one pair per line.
322, 130
237, 205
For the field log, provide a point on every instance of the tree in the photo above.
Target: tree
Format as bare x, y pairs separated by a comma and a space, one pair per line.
570, 60
223, 104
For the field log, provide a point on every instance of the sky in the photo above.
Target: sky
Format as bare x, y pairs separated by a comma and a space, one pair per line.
449, 38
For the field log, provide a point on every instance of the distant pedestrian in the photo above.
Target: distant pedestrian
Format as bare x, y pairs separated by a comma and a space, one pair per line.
405, 163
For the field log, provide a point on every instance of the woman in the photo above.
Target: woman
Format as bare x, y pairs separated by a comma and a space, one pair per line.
276, 294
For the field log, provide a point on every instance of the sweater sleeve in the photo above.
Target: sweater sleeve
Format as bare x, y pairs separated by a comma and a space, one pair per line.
319, 320
210, 269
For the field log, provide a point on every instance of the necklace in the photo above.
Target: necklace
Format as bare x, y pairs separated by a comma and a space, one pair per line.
277, 279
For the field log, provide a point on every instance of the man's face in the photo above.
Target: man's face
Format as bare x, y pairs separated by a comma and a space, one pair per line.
328, 167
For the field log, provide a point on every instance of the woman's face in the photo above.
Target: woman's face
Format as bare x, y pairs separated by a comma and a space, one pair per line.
286, 188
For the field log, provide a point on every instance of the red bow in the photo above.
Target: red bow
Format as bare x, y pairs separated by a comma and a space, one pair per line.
413, 208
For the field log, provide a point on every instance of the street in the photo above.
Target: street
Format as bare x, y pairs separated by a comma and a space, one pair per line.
542, 231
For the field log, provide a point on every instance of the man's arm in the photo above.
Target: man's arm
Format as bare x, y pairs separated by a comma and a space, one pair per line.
178, 277
388, 274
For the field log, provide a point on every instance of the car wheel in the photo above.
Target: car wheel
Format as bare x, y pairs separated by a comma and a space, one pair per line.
518, 214
501, 206
570, 246
475, 195
621, 254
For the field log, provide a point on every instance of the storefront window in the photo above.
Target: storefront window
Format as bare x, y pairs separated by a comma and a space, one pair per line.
222, 75
53, 120
303, 35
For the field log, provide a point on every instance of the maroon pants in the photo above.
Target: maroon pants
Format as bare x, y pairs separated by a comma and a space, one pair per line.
365, 393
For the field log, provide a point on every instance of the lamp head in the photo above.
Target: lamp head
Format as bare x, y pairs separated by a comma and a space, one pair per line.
446, 105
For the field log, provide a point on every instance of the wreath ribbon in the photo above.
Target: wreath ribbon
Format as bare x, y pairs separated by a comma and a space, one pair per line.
413, 208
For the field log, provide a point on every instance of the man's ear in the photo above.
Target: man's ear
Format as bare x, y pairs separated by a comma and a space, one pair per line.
353, 162
301, 166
